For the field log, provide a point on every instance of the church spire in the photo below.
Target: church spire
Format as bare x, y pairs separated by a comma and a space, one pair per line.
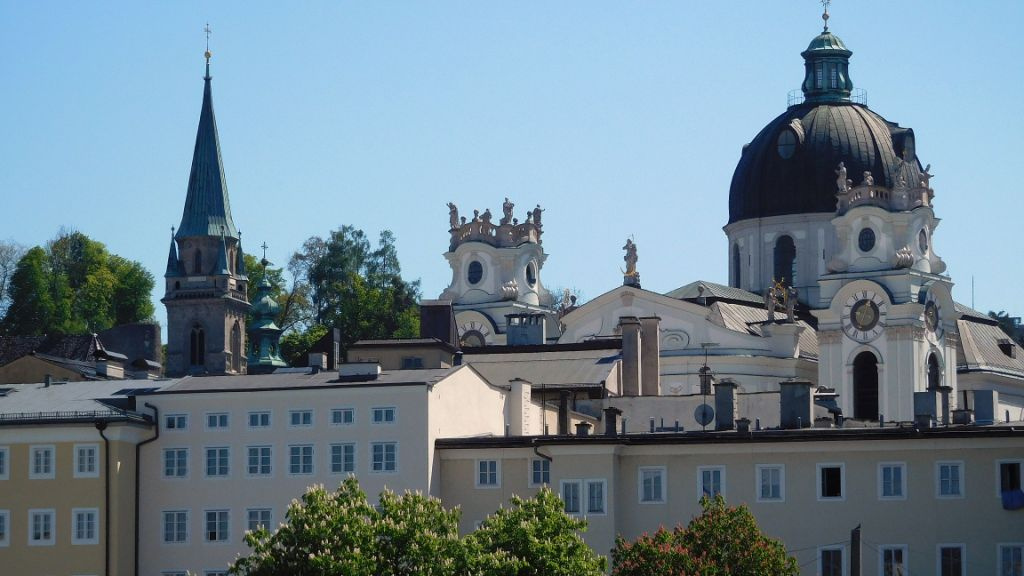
827, 67
173, 266
207, 209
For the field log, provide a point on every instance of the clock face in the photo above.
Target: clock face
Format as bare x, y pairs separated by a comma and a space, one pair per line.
473, 333
864, 316
933, 318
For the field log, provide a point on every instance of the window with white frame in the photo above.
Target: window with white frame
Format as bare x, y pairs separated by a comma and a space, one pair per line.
41, 464
540, 472
949, 479
710, 481
831, 482
1011, 559
384, 415
175, 526
652, 485
487, 474
300, 417
571, 495
830, 562
217, 420
175, 462
217, 461
343, 416
343, 458
41, 527
84, 522
176, 422
952, 559
86, 460
257, 518
5, 527
259, 419
5, 456
596, 501
300, 459
892, 482
259, 460
771, 482
216, 526
892, 560
384, 457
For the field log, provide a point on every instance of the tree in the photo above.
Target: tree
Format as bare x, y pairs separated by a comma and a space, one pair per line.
720, 541
1009, 324
10, 254
535, 537
294, 307
31, 308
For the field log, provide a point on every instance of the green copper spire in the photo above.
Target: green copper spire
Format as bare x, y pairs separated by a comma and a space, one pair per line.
207, 209
827, 67
264, 335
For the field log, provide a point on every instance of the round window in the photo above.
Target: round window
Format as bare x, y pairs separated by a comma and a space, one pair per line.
786, 144
476, 272
922, 241
531, 275
866, 240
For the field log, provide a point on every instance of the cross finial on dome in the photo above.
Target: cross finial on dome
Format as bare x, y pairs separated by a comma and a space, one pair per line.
207, 54
824, 16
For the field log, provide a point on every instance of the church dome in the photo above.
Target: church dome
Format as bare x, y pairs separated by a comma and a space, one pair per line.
790, 166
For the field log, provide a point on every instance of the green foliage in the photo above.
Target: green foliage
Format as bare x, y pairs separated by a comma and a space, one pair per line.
10, 254
31, 309
296, 345
1009, 324
720, 541
294, 307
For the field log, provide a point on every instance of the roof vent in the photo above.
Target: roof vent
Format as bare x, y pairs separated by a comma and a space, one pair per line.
360, 370
1009, 347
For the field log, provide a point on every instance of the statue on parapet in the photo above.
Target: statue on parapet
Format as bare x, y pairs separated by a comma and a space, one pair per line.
791, 297
926, 177
485, 223
630, 258
536, 215
506, 211
842, 183
869, 179
453, 215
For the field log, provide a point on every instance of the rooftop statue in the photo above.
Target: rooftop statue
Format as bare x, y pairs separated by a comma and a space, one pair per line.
453, 215
536, 215
842, 183
630, 258
506, 211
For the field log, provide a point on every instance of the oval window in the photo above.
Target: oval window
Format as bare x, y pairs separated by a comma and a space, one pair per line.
922, 241
866, 240
476, 272
786, 144
531, 275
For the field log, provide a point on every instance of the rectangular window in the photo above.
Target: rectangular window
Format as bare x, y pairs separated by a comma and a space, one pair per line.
652, 485
893, 559
384, 415
595, 497
949, 479
540, 472
384, 457
258, 517
175, 462
892, 481
217, 461
770, 483
259, 419
711, 481
951, 560
1011, 560
831, 482
215, 573
5, 523
217, 420
343, 458
86, 456
216, 525
833, 74
830, 562
84, 523
486, 473
41, 527
1009, 476
571, 495
176, 526
176, 422
300, 459
300, 417
258, 461
343, 416
412, 362
5, 455
41, 462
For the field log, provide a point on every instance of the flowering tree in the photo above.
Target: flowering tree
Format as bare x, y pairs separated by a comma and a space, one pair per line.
722, 540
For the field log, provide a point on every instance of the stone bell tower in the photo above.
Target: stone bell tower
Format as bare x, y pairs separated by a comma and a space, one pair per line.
205, 279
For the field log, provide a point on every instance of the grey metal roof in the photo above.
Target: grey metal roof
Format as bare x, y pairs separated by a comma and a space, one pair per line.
751, 320
979, 348
207, 209
562, 368
26, 401
967, 311
713, 290
287, 380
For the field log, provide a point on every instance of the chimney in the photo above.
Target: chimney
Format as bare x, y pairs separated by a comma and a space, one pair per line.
47, 381
611, 414
519, 406
111, 369
525, 329
926, 408
358, 371
583, 428
317, 362
986, 406
796, 401
437, 320
563, 412
725, 404
650, 356
630, 355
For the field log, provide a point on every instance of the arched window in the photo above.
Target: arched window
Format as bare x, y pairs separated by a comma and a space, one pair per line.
197, 264
197, 346
934, 372
236, 348
865, 386
737, 275
785, 260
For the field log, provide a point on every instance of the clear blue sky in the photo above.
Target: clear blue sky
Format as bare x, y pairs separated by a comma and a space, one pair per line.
619, 118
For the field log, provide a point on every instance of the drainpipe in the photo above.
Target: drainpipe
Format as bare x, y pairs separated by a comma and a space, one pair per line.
101, 425
138, 468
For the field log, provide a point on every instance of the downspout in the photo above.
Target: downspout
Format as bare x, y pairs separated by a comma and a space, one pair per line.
101, 426
138, 467
536, 450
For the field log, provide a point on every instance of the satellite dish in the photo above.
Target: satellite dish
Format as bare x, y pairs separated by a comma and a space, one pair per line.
704, 414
